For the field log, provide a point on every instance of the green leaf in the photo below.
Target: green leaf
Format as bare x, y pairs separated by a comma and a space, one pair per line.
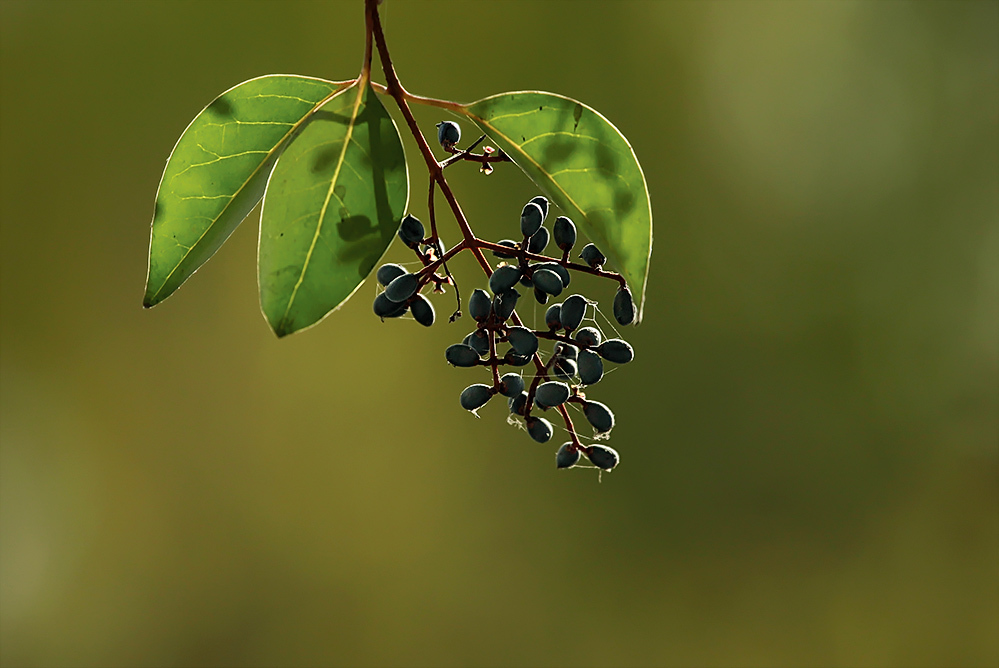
582, 163
217, 172
332, 206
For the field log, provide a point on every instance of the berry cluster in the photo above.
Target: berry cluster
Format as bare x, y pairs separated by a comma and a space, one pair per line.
576, 360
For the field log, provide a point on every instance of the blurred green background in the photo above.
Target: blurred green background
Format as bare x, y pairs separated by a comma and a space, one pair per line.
809, 434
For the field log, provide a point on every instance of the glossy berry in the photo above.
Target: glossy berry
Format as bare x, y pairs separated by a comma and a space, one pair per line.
565, 368
504, 278
475, 396
598, 415
422, 310
573, 310
538, 242
588, 337
547, 281
567, 456
565, 233
530, 219
592, 256
590, 367
553, 317
540, 429
565, 351
479, 305
511, 385
504, 304
448, 134
479, 341
386, 308
540, 296
411, 231
617, 351
518, 403
562, 272
402, 287
542, 202
603, 457
461, 355
624, 306
522, 340
389, 272
550, 394
512, 245
513, 359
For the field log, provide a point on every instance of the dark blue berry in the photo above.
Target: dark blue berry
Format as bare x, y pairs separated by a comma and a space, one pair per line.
461, 354
588, 337
386, 308
422, 310
479, 305
389, 272
542, 202
475, 396
567, 456
547, 281
603, 457
592, 256
504, 304
540, 429
590, 366
479, 341
402, 287
511, 385
530, 219
448, 134
538, 242
565, 233
550, 394
504, 278
624, 306
513, 245
553, 317
573, 310
411, 231
522, 340
616, 350
599, 416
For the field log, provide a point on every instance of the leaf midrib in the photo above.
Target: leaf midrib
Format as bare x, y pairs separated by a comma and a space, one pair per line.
322, 212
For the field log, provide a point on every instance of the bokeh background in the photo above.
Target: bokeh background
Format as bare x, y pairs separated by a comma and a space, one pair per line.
810, 432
